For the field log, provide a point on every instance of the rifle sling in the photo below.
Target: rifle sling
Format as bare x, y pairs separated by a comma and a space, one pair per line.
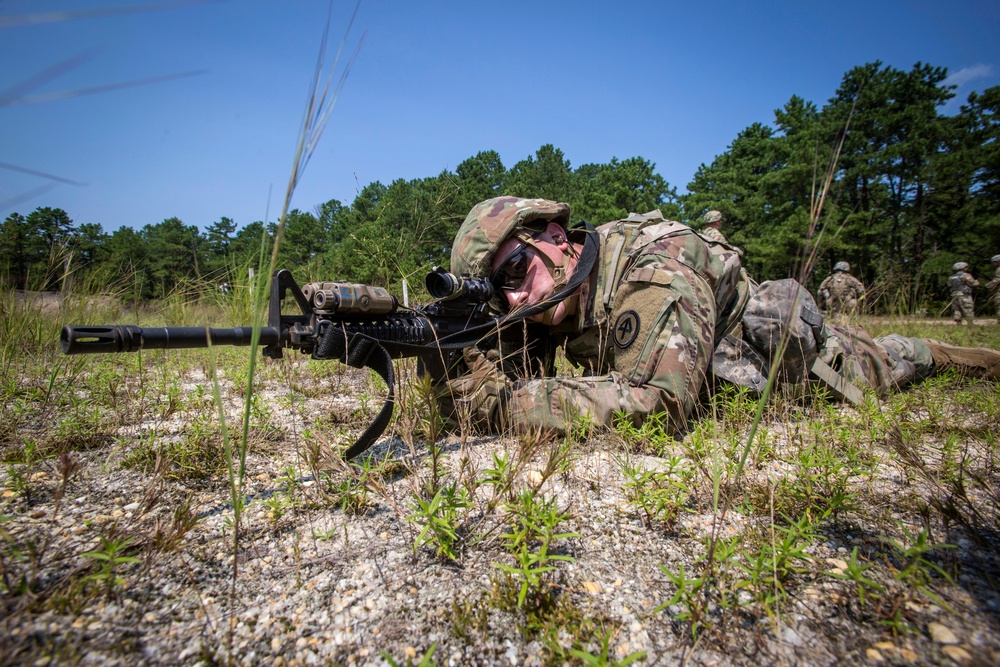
376, 357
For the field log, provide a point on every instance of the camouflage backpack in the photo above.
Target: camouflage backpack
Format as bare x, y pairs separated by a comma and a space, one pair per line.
778, 308
957, 285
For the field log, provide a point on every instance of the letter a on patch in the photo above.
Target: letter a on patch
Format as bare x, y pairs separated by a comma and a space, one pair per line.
626, 329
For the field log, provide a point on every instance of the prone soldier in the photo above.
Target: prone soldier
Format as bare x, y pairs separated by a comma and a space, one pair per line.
651, 311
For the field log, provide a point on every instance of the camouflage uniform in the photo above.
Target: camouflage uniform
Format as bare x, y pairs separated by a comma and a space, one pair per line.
840, 292
711, 231
883, 363
960, 284
713, 234
661, 299
994, 285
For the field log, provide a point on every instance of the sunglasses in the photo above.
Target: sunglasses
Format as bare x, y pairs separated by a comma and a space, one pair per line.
511, 274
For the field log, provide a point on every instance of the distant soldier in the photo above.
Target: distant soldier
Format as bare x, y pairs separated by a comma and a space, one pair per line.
994, 285
960, 284
840, 292
713, 227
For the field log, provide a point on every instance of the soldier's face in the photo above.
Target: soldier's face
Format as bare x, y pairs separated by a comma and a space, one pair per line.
538, 283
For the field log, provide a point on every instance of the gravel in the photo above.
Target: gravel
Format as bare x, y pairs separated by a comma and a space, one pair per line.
312, 584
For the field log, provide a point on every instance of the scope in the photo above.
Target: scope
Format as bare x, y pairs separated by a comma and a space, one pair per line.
443, 285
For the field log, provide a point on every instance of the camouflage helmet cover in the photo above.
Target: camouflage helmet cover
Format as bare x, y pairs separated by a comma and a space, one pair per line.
959, 266
712, 218
995, 259
490, 222
842, 266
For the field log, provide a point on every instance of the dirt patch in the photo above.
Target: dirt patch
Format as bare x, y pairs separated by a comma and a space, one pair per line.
51, 303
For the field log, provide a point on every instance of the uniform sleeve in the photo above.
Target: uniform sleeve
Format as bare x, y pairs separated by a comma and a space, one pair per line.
662, 328
821, 292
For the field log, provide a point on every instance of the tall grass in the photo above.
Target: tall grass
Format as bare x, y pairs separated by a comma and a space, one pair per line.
324, 91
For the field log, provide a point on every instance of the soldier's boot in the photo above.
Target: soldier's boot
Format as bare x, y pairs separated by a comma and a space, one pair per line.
977, 362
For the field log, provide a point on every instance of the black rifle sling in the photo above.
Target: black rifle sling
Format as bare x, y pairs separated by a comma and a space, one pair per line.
361, 351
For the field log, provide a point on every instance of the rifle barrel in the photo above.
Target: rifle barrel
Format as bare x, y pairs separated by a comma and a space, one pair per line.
130, 338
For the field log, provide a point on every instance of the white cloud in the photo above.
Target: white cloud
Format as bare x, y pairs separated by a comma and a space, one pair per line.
967, 74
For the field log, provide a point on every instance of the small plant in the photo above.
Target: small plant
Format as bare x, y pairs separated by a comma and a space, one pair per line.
500, 476
767, 570
469, 617
427, 660
652, 437
687, 597
67, 468
110, 560
659, 494
856, 574
170, 537
324, 535
602, 659
276, 506
535, 523
439, 520
350, 491
918, 571
19, 475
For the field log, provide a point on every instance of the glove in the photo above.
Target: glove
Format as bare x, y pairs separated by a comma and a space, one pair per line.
480, 396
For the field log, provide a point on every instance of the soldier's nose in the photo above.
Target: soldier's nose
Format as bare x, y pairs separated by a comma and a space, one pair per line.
517, 298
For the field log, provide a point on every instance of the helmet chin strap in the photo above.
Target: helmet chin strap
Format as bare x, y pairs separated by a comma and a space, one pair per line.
557, 271
563, 289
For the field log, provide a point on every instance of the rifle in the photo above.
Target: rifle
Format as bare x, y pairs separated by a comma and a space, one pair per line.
361, 325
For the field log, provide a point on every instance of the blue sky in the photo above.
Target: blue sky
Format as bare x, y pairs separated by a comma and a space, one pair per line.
435, 82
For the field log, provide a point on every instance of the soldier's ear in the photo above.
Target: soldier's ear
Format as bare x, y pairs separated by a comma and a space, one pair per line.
556, 232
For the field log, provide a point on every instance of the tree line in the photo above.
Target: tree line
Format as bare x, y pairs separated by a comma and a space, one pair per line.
910, 191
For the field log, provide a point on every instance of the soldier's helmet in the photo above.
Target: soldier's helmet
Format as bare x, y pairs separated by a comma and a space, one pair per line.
490, 222
842, 266
959, 266
712, 218
995, 259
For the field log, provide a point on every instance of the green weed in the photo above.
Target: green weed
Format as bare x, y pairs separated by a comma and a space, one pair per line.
110, 561
529, 541
439, 520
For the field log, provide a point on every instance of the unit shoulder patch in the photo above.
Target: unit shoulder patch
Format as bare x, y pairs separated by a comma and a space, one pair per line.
626, 329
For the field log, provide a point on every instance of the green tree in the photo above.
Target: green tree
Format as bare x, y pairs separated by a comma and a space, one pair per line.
981, 228
303, 239
218, 240
743, 183
396, 232
612, 191
251, 247
480, 177
13, 250
173, 254
87, 247
546, 175
886, 167
48, 256
124, 262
